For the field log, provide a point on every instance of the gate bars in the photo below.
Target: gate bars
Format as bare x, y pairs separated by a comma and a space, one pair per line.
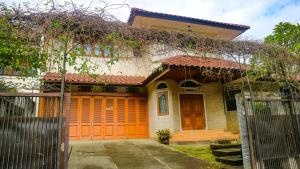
30, 131
273, 132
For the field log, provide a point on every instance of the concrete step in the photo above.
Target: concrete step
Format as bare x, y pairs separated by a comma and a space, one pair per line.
227, 152
231, 160
224, 146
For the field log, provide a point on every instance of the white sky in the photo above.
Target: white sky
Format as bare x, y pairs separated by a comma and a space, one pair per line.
260, 15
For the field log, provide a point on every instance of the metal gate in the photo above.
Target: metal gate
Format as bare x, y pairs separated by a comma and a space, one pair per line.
33, 133
273, 128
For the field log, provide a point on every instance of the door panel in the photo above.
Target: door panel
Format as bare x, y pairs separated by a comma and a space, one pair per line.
143, 118
132, 118
86, 118
97, 125
192, 111
109, 128
74, 129
121, 117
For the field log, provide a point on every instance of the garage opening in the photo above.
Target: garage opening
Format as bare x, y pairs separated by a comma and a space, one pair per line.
102, 117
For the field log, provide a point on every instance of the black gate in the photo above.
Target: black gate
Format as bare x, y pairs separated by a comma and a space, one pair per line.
33, 133
274, 133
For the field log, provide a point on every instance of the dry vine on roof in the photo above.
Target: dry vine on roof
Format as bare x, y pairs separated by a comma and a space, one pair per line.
62, 29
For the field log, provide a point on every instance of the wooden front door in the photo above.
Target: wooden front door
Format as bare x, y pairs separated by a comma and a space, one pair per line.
192, 111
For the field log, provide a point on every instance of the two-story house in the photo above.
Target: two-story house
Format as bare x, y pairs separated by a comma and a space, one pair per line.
156, 88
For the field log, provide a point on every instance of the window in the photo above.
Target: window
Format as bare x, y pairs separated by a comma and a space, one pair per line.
103, 51
163, 103
97, 50
1, 71
162, 99
87, 48
189, 85
230, 99
137, 52
132, 90
162, 86
110, 89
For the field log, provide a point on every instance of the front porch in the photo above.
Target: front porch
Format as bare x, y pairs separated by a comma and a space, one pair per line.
188, 98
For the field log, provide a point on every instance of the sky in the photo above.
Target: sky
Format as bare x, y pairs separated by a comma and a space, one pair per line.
260, 15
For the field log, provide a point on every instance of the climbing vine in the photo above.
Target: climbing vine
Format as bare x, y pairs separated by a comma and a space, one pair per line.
64, 30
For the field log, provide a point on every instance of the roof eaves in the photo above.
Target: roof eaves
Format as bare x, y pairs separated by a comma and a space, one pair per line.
140, 12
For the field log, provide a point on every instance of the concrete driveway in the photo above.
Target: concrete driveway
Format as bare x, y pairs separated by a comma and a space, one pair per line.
129, 154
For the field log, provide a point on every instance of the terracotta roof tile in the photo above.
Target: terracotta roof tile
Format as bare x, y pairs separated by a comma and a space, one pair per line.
198, 61
100, 79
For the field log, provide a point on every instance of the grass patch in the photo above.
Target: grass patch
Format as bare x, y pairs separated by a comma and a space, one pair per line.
200, 151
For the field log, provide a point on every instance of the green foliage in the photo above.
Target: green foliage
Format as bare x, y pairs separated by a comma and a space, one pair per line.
281, 61
200, 151
163, 136
132, 43
18, 52
287, 35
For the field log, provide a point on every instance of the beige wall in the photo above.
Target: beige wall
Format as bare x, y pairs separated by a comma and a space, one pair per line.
160, 122
214, 106
232, 121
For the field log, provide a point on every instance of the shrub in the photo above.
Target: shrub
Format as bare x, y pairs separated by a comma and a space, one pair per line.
163, 136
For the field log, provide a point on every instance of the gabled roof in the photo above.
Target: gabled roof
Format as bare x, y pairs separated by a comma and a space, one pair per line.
175, 67
98, 79
198, 61
141, 12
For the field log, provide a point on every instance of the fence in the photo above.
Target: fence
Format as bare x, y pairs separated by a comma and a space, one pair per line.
32, 131
273, 128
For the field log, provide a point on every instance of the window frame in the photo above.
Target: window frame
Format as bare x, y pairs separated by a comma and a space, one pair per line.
160, 92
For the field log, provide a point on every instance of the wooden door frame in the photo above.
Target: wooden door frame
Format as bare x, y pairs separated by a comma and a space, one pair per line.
199, 93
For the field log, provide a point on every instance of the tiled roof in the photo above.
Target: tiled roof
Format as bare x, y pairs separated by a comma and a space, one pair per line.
98, 79
198, 61
145, 13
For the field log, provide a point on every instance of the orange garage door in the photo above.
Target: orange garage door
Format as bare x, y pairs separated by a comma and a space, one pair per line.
97, 117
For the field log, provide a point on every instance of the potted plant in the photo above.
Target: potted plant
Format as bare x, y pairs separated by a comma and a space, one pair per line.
163, 136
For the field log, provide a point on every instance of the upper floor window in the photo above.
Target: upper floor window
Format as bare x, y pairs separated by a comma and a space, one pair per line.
137, 52
103, 50
87, 49
162, 99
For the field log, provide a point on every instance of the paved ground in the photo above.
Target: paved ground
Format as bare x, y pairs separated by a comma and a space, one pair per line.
129, 154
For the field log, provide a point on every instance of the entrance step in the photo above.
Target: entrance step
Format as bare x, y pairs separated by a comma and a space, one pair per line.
227, 152
231, 160
217, 146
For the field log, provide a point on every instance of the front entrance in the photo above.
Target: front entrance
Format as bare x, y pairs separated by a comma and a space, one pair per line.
192, 111
99, 117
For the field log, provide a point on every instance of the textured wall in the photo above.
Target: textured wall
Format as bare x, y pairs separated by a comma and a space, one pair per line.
232, 121
214, 105
159, 122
